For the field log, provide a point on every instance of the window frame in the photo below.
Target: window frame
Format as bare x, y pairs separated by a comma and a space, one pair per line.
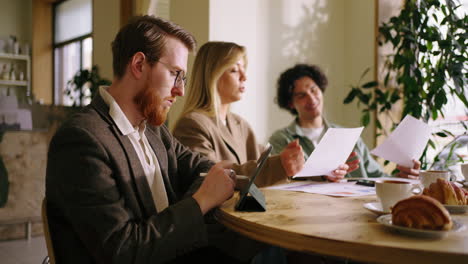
61, 44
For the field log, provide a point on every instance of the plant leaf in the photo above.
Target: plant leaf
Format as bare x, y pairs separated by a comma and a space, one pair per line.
365, 119
370, 84
350, 97
441, 134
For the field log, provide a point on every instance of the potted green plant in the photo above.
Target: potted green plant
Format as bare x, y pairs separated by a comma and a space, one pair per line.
84, 85
429, 62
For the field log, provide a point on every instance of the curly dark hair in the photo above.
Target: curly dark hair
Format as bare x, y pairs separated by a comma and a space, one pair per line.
285, 85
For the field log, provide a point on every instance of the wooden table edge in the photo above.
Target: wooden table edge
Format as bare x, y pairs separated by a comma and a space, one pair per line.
345, 249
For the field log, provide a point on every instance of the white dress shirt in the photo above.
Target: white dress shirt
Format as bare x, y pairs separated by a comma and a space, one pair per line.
140, 143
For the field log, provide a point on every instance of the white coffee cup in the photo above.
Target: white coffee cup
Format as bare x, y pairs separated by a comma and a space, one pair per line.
464, 170
430, 176
390, 192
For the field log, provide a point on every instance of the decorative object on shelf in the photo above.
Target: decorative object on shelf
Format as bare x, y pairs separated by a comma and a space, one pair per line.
13, 45
15, 76
428, 63
5, 73
13, 73
84, 85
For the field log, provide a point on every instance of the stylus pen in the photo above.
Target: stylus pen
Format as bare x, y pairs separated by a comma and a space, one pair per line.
366, 183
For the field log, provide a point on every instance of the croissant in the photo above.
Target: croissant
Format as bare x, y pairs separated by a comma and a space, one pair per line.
447, 192
422, 212
462, 197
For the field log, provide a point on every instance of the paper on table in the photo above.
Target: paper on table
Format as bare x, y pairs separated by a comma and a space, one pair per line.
332, 151
405, 143
346, 189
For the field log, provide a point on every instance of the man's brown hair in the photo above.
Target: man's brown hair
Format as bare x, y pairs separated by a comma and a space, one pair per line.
146, 34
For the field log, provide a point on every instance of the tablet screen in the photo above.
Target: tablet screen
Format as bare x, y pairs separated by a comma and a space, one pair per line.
260, 163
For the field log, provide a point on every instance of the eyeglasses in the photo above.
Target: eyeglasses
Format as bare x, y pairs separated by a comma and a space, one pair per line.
179, 79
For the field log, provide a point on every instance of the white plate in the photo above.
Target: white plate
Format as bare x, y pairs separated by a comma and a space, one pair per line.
376, 208
386, 220
456, 209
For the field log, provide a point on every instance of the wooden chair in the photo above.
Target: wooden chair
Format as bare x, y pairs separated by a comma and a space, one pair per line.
50, 249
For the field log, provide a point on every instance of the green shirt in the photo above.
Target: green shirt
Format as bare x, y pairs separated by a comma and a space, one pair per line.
368, 167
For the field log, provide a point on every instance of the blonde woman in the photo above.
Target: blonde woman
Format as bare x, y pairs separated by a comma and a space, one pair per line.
207, 126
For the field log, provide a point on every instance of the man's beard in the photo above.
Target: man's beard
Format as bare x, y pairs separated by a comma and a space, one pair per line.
151, 106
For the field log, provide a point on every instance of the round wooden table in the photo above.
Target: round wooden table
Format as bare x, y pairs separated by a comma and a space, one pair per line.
339, 227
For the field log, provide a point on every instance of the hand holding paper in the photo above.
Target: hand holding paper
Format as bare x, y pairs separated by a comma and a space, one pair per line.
332, 151
405, 143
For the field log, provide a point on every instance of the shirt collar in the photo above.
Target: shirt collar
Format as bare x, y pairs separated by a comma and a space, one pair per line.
119, 117
295, 130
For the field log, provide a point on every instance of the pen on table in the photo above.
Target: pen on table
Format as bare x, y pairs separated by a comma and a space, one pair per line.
366, 183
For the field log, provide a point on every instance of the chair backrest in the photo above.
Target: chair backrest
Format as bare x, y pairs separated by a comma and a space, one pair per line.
48, 239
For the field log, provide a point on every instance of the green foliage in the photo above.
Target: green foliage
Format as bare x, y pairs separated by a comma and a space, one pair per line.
429, 60
451, 160
83, 80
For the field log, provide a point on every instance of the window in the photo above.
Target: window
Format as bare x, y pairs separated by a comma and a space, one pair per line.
73, 44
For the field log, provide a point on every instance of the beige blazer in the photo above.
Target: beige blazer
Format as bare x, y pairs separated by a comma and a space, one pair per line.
235, 142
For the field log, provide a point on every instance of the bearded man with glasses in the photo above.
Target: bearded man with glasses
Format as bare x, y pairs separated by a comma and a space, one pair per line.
119, 187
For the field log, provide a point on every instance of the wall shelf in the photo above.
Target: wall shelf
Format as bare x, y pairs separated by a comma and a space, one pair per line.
13, 83
22, 61
14, 56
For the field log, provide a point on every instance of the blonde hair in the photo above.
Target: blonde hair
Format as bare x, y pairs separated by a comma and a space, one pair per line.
212, 60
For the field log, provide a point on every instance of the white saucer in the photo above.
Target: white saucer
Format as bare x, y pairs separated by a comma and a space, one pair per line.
456, 209
376, 208
386, 220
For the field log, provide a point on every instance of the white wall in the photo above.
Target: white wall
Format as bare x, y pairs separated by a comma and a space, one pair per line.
359, 55
106, 24
15, 19
182, 12
246, 23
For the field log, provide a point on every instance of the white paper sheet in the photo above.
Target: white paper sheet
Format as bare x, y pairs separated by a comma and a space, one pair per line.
346, 189
333, 150
384, 179
405, 143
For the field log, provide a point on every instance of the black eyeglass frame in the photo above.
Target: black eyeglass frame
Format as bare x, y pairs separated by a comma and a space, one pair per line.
178, 79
